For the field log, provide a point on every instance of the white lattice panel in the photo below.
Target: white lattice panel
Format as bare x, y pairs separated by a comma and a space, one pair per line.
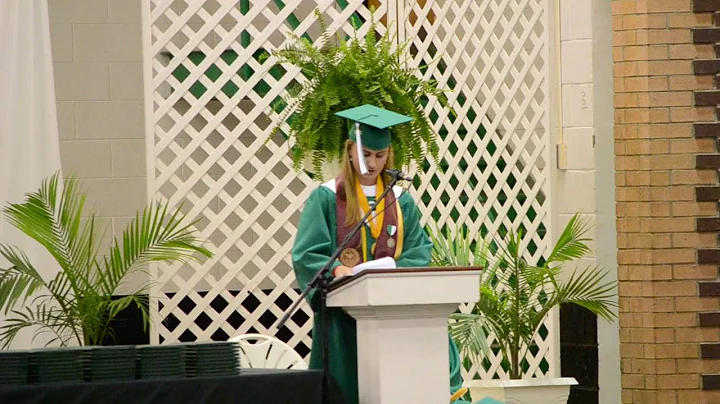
493, 55
209, 113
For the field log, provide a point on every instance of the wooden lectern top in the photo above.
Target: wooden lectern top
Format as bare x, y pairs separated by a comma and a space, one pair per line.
352, 278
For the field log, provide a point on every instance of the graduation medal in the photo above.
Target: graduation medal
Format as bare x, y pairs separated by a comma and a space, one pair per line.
350, 257
391, 231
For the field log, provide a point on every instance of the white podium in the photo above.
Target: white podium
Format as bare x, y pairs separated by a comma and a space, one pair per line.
402, 329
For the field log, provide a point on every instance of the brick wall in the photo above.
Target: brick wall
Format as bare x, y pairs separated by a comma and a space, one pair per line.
658, 170
97, 61
707, 68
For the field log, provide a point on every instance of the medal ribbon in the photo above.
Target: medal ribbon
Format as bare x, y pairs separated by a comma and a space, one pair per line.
377, 221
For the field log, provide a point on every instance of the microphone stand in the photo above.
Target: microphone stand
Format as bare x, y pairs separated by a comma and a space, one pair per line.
322, 283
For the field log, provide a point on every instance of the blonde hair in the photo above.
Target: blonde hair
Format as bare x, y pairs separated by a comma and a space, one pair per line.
352, 206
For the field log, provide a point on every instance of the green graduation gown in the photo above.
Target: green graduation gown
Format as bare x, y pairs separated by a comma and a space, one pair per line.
315, 242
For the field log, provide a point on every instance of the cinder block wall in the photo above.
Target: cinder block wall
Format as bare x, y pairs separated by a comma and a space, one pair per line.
657, 173
97, 61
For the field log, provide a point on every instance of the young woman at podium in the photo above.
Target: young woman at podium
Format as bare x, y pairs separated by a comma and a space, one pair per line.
393, 230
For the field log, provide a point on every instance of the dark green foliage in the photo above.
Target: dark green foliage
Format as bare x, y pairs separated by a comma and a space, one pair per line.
351, 73
515, 295
77, 305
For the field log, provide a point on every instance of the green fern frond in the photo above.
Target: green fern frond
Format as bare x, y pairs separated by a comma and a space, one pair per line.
350, 72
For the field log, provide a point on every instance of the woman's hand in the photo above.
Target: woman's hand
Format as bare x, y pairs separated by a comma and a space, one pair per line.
341, 271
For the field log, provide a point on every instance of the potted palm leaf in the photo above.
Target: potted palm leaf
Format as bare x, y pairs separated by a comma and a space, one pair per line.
456, 247
515, 298
342, 73
78, 305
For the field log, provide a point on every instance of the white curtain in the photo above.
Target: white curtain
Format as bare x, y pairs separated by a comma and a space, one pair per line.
29, 145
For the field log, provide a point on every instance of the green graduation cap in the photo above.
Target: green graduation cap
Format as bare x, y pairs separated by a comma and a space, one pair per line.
372, 123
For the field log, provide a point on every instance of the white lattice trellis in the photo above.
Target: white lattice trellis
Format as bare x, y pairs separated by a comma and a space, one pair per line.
493, 54
209, 100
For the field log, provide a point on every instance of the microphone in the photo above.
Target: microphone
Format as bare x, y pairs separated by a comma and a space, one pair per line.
397, 174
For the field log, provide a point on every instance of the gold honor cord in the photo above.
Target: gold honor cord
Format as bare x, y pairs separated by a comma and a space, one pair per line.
377, 219
401, 226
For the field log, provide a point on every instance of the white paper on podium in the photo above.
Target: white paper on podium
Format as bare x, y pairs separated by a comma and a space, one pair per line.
382, 263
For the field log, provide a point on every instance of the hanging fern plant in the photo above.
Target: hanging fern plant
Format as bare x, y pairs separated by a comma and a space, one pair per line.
348, 74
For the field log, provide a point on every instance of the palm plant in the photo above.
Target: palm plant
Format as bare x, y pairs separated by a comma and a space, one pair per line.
341, 74
515, 296
456, 247
77, 305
